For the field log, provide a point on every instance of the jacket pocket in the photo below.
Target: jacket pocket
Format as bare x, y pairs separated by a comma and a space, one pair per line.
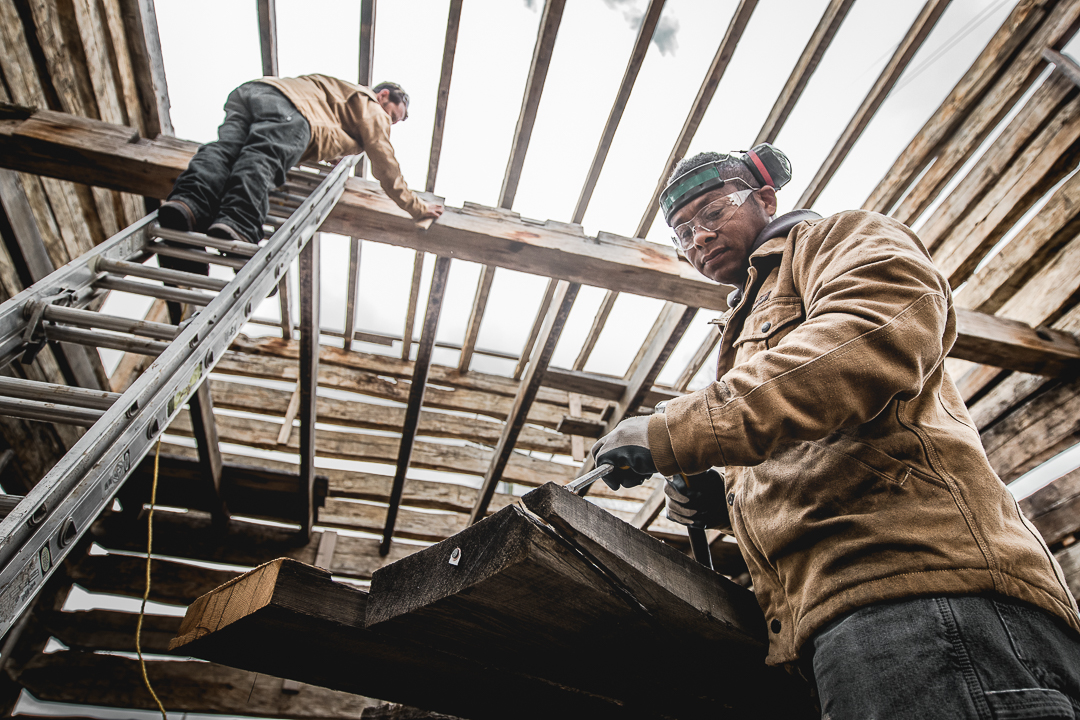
769, 324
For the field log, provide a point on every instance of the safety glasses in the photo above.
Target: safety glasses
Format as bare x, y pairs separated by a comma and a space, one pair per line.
711, 218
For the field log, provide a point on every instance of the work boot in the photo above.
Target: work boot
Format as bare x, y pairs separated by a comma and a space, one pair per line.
176, 215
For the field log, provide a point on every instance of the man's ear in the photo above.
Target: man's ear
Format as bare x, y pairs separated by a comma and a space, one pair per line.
767, 197
383, 95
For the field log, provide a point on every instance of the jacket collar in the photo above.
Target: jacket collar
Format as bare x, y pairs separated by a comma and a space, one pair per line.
778, 227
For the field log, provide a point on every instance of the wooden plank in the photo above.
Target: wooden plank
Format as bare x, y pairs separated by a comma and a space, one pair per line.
183, 686
285, 304
140, 23
988, 112
622, 97
308, 382
354, 286
1055, 509
993, 61
91, 27
172, 582
286, 604
568, 591
819, 42
110, 630
701, 102
125, 71
453, 22
1012, 146
410, 310
416, 393
365, 60
554, 321
1049, 158
476, 316
268, 43
550, 20
909, 45
534, 332
1014, 345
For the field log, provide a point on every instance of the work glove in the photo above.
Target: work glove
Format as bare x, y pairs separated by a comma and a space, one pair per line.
701, 505
627, 448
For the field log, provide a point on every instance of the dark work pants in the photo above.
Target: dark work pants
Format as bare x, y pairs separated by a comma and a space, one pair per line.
228, 181
959, 658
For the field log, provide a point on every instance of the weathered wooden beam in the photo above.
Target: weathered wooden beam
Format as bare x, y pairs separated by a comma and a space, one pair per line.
183, 686
554, 321
285, 304
633, 66
366, 60
550, 20
819, 42
355, 245
599, 320
1055, 509
309, 376
284, 604
416, 393
140, 23
1015, 345
110, 630
995, 61
701, 355
562, 589
909, 45
985, 116
410, 310
701, 102
268, 42
453, 22
534, 332
476, 316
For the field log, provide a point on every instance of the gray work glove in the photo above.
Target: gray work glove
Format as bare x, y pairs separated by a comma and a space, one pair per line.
627, 448
703, 506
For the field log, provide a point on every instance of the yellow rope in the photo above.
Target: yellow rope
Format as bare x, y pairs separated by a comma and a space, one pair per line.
146, 595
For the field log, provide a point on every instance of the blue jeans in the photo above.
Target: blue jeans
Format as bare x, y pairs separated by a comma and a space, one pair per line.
947, 657
228, 181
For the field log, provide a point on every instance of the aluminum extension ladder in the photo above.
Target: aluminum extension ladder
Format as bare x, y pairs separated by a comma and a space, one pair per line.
45, 524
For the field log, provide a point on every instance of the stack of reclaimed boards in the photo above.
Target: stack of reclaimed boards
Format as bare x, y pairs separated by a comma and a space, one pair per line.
549, 607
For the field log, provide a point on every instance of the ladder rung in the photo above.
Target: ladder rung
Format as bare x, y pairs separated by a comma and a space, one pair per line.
49, 412
90, 319
199, 240
51, 392
194, 297
174, 277
196, 255
103, 339
8, 503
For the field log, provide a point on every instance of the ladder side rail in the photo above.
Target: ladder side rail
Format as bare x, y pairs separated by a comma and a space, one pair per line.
44, 526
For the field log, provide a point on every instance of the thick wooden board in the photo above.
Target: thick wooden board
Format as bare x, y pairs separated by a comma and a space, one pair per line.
586, 600
289, 619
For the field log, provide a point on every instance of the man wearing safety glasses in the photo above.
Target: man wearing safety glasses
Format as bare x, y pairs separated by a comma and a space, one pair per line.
892, 565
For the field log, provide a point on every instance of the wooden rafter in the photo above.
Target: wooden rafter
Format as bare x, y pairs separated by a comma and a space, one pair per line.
416, 393
994, 59
554, 321
697, 110
633, 66
140, 23
355, 245
595, 329
366, 59
309, 375
268, 43
819, 42
92, 152
911, 43
698, 360
410, 311
534, 333
483, 289
285, 305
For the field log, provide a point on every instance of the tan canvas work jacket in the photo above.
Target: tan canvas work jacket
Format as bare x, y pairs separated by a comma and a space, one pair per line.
347, 119
854, 473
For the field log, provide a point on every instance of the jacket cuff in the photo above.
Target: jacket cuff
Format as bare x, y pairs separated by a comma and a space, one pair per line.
663, 454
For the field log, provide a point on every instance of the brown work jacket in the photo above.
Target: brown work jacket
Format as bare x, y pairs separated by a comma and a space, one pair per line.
854, 473
346, 119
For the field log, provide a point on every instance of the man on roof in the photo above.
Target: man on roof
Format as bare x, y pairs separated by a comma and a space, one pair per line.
270, 125
893, 567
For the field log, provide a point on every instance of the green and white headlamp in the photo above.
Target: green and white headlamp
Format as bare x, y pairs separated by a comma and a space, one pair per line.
767, 164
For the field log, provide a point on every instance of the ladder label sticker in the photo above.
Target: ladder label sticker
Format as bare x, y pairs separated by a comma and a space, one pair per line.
180, 397
18, 591
119, 472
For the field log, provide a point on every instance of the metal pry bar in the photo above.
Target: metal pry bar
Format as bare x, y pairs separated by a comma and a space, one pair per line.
589, 478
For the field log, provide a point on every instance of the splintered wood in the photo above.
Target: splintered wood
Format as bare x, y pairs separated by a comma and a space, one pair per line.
546, 607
